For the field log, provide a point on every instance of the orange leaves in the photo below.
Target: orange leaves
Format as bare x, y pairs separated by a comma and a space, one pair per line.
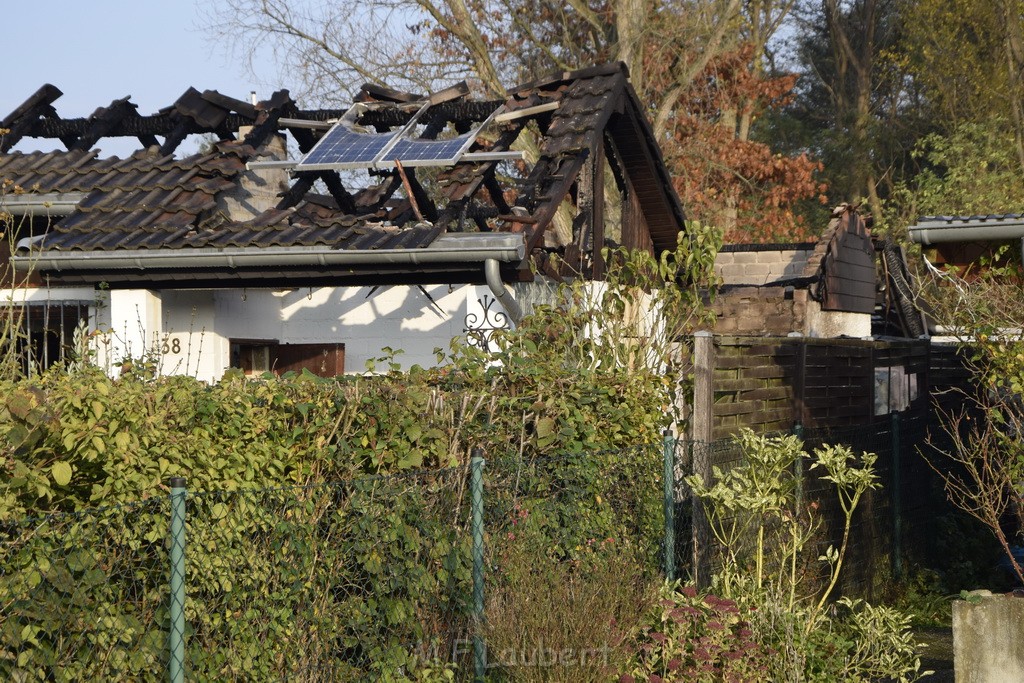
722, 175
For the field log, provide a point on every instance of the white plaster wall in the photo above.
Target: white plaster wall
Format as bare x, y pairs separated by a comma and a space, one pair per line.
366, 320
819, 323
191, 330
131, 324
190, 342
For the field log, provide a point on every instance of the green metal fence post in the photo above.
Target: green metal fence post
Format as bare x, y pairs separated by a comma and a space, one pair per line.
798, 468
897, 500
176, 602
669, 486
477, 503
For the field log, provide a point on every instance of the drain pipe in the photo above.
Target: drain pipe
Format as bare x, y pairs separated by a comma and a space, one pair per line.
493, 276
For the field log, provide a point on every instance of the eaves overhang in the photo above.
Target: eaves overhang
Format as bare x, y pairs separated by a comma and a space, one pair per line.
447, 249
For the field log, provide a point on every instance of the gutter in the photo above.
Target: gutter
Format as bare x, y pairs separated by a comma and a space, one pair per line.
489, 249
939, 231
507, 248
45, 204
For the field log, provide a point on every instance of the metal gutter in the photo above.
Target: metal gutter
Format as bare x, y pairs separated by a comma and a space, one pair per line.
507, 248
46, 204
489, 249
940, 230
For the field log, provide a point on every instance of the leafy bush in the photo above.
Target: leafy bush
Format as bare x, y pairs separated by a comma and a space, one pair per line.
694, 637
769, 545
287, 544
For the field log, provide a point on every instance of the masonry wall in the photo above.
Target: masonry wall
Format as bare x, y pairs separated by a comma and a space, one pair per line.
760, 267
771, 311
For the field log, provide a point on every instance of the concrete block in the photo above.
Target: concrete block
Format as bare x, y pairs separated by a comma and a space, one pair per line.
772, 257
987, 647
744, 257
733, 273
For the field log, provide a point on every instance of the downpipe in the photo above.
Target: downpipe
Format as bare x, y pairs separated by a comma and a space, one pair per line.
492, 274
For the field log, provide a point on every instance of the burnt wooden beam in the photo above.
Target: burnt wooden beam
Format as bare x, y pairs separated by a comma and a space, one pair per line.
20, 121
297, 191
591, 205
372, 92
104, 120
548, 204
280, 104
345, 201
46, 124
174, 137
157, 124
457, 110
495, 192
460, 193
420, 197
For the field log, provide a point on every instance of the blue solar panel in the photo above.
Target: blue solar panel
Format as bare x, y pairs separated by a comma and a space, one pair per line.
344, 147
341, 144
409, 152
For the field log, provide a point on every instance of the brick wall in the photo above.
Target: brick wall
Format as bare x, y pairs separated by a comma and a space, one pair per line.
770, 311
770, 383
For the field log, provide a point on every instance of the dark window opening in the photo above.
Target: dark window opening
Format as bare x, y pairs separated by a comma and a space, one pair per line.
43, 334
255, 357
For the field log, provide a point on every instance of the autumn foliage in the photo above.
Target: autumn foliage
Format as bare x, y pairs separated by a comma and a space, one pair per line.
724, 177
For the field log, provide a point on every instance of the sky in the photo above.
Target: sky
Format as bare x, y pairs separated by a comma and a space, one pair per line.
97, 51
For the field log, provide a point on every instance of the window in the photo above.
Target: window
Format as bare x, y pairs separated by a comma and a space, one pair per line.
254, 357
43, 332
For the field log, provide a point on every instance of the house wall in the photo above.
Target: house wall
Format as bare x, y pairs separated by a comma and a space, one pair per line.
191, 330
758, 309
132, 324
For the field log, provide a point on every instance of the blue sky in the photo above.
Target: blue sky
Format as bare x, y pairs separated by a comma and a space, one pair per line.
96, 51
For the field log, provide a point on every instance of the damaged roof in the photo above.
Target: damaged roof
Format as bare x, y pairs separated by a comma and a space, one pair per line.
223, 199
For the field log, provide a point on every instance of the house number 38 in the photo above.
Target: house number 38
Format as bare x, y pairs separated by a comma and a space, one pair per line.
170, 345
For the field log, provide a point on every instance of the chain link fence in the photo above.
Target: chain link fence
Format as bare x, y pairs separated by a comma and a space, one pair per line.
882, 540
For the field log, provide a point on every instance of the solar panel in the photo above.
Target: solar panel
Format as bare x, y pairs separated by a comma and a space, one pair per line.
341, 144
344, 147
430, 152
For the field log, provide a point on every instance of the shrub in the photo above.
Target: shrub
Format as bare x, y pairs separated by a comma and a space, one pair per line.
698, 637
767, 543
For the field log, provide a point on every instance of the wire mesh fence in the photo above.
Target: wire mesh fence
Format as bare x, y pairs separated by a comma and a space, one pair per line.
388, 575
83, 596
572, 540
345, 581
881, 538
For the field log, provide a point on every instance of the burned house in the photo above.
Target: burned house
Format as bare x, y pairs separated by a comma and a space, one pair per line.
317, 238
